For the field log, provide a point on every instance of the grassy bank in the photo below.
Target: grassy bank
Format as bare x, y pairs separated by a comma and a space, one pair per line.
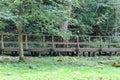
59, 68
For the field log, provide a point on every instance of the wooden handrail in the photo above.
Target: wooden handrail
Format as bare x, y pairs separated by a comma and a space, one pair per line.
68, 43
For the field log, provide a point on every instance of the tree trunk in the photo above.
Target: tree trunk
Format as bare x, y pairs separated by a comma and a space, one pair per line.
65, 24
20, 37
64, 27
117, 17
20, 42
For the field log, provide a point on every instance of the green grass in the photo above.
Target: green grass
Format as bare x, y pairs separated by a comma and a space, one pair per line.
59, 68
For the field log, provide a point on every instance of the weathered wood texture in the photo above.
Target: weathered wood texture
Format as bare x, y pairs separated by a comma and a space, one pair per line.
48, 43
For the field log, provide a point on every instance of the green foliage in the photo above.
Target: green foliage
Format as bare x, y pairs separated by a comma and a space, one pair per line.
92, 17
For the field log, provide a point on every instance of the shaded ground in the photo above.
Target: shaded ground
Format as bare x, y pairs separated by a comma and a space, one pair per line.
59, 68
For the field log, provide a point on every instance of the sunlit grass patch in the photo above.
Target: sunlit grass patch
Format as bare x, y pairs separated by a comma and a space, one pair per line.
68, 68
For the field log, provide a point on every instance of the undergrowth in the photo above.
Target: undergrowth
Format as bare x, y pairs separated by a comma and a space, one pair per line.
59, 68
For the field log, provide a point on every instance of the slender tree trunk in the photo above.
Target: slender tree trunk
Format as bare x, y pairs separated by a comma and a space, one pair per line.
64, 27
20, 42
117, 17
65, 24
20, 38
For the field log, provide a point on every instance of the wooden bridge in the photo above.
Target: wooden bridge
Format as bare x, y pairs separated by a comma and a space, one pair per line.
80, 45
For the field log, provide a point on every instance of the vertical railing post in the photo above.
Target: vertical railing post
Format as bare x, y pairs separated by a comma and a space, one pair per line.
26, 41
43, 42
89, 42
67, 43
78, 42
100, 42
2, 41
53, 45
78, 47
109, 42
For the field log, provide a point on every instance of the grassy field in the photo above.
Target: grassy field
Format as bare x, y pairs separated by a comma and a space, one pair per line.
59, 68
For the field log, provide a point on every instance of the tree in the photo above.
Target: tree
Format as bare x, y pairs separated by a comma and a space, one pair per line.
19, 28
116, 5
91, 17
25, 12
95, 17
17, 12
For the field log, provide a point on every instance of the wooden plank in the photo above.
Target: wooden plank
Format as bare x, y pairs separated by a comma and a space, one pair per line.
10, 49
111, 49
64, 49
74, 43
11, 42
90, 49
39, 49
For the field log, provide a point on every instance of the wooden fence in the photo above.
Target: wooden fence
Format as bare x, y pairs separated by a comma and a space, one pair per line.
50, 43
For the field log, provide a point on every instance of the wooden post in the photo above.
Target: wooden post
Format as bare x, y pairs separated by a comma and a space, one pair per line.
89, 42
109, 42
78, 42
53, 45
26, 41
78, 54
100, 52
100, 42
43, 41
2, 41
66, 43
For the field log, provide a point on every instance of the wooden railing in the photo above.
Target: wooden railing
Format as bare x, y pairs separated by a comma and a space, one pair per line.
45, 42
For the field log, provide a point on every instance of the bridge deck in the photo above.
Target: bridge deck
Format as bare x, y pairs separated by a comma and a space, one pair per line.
65, 49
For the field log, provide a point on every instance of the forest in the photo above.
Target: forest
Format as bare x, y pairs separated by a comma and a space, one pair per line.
91, 25
63, 18
81, 17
